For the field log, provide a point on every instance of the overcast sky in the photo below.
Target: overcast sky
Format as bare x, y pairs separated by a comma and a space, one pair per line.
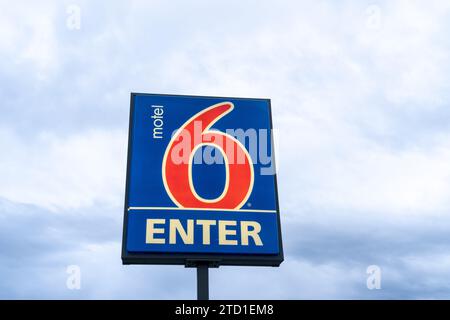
361, 102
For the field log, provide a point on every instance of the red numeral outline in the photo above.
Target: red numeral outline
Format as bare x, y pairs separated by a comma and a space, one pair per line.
177, 175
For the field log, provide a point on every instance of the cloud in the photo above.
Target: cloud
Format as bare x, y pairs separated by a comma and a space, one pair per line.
71, 171
347, 172
38, 245
360, 101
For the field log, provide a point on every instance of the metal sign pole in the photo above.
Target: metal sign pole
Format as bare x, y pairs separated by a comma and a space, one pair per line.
202, 282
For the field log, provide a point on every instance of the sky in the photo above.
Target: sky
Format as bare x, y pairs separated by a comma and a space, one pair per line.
360, 96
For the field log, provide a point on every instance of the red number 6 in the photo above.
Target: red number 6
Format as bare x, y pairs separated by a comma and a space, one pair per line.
193, 134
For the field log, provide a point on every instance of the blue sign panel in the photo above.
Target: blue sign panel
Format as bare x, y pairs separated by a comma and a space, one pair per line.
201, 182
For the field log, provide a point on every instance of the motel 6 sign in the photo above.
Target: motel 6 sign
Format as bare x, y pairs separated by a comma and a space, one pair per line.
201, 183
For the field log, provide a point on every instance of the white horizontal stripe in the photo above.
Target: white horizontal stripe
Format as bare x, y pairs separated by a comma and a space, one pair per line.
203, 209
